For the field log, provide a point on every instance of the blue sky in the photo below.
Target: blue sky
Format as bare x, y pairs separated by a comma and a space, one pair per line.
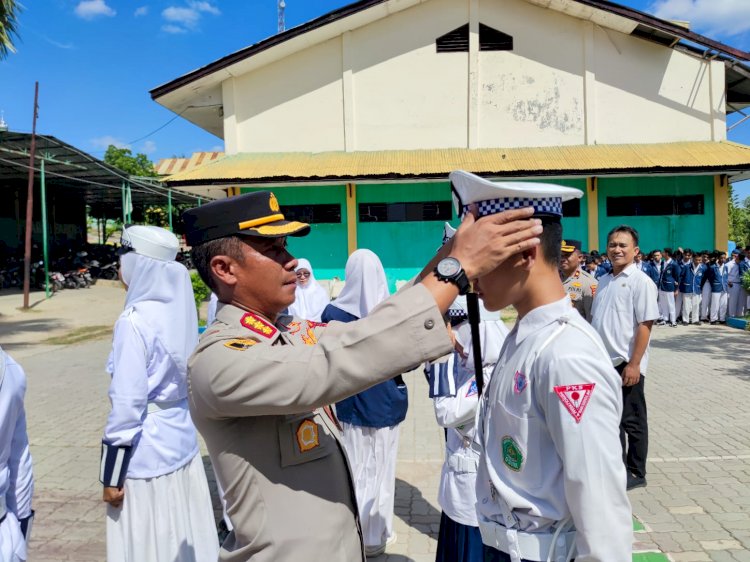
96, 60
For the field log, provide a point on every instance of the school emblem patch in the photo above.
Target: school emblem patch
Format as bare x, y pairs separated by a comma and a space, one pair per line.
307, 436
472, 389
519, 382
240, 344
259, 325
575, 398
512, 455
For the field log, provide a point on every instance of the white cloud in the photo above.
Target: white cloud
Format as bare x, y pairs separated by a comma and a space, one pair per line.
106, 140
149, 147
709, 17
58, 44
142, 11
90, 9
181, 19
174, 29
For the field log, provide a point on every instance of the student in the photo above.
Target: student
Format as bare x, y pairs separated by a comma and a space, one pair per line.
370, 420
310, 298
154, 481
548, 422
713, 280
683, 259
736, 269
669, 277
691, 283
16, 478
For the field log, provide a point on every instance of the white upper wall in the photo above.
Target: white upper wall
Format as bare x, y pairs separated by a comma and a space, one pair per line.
383, 86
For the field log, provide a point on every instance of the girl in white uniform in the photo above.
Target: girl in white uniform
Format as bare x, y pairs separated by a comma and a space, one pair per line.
16, 479
453, 388
310, 298
154, 482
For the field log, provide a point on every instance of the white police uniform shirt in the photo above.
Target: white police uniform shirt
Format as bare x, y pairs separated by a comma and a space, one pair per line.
16, 479
621, 303
149, 403
549, 429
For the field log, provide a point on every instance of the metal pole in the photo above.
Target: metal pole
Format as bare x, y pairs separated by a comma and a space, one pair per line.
44, 232
129, 202
122, 192
169, 207
30, 205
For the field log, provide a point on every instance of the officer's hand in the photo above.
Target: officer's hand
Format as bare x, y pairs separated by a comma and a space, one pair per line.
113, 496
631, 374
483, 244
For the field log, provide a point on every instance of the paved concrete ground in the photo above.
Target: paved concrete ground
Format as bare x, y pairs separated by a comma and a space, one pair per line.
696, 507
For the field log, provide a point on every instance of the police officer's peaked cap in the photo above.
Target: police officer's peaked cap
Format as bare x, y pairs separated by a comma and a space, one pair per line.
150, 241
252, 214
570, 246
491, 198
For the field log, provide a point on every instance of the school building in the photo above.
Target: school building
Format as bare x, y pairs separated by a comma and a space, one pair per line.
356, 118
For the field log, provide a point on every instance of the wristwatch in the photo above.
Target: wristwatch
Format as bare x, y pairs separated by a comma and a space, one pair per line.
449, 270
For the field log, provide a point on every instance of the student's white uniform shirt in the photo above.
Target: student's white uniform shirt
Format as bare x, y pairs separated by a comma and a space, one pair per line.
457, 494
549, 429
16, 479
620, 304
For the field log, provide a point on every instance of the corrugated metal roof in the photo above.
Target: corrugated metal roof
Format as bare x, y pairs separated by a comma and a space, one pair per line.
170, 166
540, 161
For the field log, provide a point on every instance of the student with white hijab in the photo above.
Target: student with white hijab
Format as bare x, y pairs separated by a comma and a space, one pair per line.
310, 298
370, 419
154, 482
16, 479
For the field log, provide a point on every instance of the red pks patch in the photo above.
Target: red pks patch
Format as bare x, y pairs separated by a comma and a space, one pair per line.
259, 325
575, 398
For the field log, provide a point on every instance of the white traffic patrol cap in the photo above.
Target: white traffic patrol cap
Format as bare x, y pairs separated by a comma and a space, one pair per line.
491, 198
150, 241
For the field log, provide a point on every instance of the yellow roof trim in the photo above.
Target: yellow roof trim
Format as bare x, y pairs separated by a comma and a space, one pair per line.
393, 164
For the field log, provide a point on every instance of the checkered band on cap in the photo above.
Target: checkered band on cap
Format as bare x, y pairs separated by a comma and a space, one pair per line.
547, 205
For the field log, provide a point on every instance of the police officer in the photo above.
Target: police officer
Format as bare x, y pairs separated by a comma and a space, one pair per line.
580, 285
260, 383
550, 482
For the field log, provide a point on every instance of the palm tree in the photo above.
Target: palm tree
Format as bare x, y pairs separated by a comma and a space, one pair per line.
8, 26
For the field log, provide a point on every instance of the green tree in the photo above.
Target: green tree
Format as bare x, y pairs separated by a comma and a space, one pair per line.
122, 158
739, 219
8, 26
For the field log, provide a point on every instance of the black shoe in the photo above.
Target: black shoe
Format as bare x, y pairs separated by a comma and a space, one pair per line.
685, 323
714, 323
698, 323
635, 482
673, 325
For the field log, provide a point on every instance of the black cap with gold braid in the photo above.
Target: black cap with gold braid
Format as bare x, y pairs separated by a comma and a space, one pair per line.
569, 246
252, 214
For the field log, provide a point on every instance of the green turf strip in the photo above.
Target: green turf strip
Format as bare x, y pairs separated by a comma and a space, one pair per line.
637, 525
650, 557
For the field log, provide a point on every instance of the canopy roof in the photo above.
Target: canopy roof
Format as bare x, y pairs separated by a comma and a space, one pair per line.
69, 167
586, 160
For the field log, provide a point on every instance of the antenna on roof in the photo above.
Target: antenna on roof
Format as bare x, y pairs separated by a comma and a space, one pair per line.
280, 5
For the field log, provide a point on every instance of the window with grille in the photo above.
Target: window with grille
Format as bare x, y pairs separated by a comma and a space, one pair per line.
406, 212
653, 205
313, 214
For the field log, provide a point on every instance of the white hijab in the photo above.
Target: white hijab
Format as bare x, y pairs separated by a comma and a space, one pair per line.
365, 285
310, 300
162, 295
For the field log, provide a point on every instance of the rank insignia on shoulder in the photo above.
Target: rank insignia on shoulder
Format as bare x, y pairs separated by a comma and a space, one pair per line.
307, 436
259, 325
593, 290
240, 344
519, 382
311, 324
472, 389
575, 398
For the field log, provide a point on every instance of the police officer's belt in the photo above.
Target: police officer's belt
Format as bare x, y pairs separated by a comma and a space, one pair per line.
533, 546
166, 405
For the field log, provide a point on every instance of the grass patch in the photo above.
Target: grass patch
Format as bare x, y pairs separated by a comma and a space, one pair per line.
650, 557
79, 335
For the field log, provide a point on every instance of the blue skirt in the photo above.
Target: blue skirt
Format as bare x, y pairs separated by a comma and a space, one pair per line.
457, 542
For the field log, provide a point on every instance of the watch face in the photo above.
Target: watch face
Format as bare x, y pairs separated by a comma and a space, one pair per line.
448, 267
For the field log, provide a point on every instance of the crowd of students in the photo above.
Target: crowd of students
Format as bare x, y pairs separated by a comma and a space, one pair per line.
694, 286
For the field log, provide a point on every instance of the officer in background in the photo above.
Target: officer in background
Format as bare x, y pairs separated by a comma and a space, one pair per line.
580, 285
551, 481
16, 479
260, 383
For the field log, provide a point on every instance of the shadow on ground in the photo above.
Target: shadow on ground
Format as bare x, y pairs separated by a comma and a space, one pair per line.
419, 514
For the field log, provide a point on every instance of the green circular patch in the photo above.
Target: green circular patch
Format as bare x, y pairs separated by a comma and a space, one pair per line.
512, 455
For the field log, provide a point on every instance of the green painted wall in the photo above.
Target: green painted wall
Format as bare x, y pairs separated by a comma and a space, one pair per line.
326, 245
573, 227
403, 247
694, 231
